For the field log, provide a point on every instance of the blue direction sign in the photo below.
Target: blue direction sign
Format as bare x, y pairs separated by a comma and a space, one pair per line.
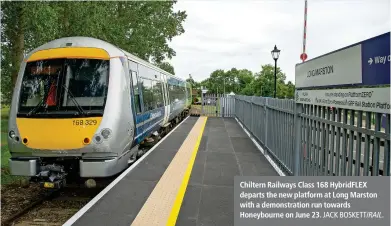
375, 53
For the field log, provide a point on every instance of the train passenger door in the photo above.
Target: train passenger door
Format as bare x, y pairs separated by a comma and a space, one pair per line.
166, 99
136, 100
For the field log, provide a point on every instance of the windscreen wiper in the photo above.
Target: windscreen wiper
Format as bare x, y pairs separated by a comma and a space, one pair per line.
35, 109
81, 111
79, 108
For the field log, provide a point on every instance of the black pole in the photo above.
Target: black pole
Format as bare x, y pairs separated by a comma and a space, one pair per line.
275, 78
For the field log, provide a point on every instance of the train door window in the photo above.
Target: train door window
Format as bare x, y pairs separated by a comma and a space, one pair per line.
136, 92
153, 93
162, 91
158, 94
165, 88
147, 94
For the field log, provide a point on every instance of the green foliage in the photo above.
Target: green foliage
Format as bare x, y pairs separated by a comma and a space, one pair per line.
247, 83
194, 84
167, 67
4, 113
143, 28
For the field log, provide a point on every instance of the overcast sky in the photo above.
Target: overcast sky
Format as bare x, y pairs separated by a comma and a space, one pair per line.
241, 33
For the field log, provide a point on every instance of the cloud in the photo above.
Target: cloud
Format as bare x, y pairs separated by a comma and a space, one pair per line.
241, 34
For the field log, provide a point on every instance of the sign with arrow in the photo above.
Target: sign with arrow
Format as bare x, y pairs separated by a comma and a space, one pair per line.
370, 61
376, 60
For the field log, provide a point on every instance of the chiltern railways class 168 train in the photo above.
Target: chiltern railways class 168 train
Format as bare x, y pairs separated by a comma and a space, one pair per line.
83, 105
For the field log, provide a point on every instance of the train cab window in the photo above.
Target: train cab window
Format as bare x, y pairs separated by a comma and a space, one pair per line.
64, 85
136, 92
39, 82
87, 81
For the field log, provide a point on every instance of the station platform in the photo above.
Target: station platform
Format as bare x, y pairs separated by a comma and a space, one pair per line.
185, 179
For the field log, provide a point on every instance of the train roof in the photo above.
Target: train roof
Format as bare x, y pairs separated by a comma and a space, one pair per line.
112, 50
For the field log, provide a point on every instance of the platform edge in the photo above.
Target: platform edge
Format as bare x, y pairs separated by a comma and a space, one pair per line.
185, 181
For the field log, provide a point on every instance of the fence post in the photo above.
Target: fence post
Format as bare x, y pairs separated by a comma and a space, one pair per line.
252, 115
222, 110
202, 102
297, 139
217, 97
236, 115
266, 126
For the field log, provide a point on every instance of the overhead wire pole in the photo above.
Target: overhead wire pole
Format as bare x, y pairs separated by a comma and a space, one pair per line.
303, 56
297, 171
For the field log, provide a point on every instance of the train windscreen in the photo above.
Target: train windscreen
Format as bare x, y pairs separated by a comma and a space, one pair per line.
63, 86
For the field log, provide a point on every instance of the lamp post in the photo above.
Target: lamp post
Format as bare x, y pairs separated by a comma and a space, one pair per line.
275, 55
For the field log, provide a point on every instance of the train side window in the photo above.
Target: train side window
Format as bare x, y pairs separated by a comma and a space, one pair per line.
172, 93
178, 92
136, 92
158, 94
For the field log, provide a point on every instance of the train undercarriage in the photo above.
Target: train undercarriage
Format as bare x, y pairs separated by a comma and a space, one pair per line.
58, 172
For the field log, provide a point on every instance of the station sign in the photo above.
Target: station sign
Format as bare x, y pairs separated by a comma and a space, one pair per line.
365, 63
376, 60
365, 99
342, 67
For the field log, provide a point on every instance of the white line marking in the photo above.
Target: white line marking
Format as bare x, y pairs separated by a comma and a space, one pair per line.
83, 210
275, 166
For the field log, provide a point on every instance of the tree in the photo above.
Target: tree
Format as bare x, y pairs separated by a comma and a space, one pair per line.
142, 28
166, 66
290, 90
264, 82
247, 83
194, 84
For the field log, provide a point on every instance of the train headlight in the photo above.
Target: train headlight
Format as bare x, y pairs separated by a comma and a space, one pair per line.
12, 134
98, 139
106, 133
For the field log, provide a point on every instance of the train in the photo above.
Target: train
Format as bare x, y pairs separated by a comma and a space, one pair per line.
82, 106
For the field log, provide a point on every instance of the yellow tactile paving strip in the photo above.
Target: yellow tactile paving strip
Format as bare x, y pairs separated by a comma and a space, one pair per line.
163, 205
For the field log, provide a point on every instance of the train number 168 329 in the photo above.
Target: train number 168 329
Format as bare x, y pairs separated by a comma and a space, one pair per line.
81, 122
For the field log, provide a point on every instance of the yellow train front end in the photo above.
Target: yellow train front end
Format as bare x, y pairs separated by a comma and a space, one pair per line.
56, 112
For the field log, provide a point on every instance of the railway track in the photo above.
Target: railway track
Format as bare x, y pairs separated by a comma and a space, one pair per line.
55, 207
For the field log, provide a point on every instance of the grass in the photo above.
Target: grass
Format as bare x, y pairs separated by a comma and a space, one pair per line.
5, 112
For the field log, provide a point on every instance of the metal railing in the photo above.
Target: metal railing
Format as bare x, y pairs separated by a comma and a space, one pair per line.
311, 140
217, 105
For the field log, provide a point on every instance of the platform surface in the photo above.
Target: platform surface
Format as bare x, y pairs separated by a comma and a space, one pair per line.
225, 151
